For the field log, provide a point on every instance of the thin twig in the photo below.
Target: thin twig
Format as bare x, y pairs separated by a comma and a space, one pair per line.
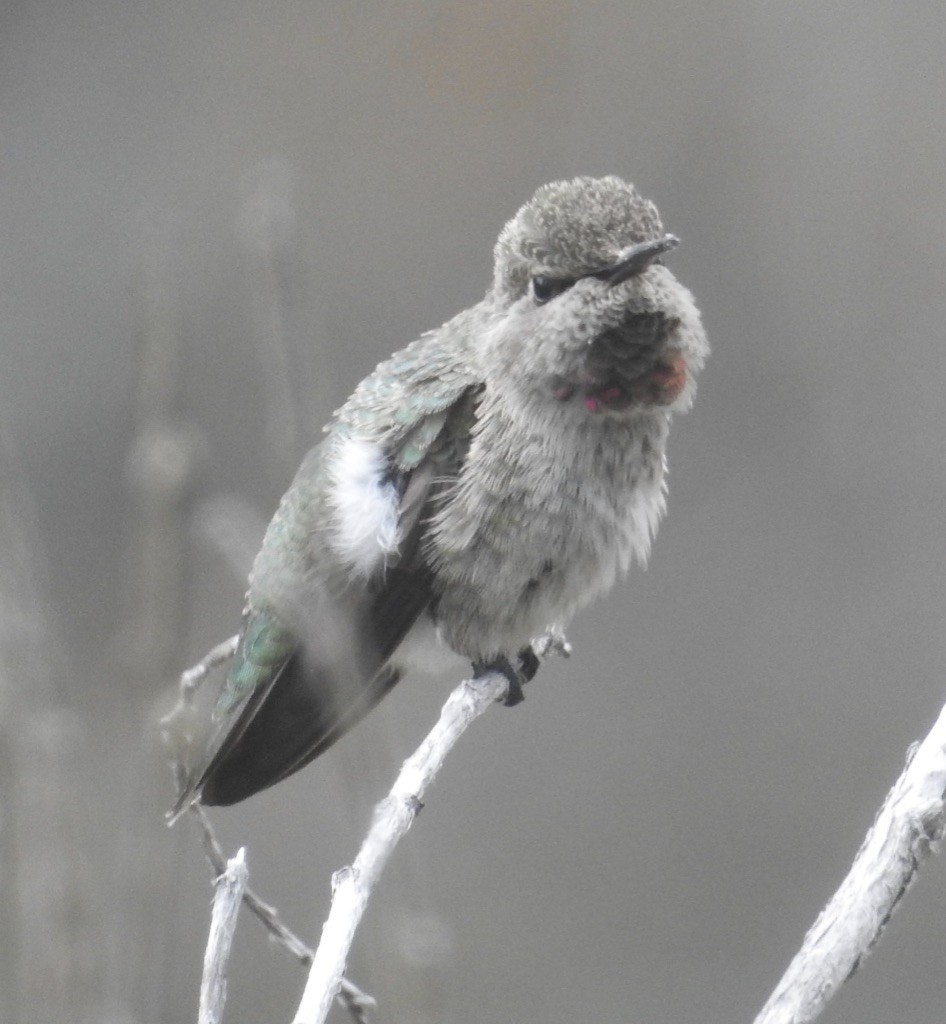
180, 727
355, 1000
228, 895
267, 914
904, 833
267, 220
193, 677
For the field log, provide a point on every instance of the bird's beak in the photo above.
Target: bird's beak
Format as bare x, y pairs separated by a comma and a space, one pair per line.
635, 259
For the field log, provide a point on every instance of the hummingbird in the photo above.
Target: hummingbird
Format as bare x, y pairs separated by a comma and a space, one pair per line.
482, 485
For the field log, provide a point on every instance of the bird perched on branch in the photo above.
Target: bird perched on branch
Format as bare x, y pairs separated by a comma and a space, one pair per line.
485, 482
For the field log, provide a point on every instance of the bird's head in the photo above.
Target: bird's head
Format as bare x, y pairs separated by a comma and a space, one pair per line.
585, 312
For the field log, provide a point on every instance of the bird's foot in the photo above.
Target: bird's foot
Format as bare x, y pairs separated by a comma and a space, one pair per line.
527, 664
554, 643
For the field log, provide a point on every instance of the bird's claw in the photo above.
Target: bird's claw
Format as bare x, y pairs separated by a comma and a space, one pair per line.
527, 664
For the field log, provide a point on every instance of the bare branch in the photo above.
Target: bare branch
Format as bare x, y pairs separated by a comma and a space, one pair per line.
355, 1000
227, 898
266, 913
352, 886
908, 825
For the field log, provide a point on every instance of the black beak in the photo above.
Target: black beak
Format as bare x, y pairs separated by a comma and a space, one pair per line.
636, 259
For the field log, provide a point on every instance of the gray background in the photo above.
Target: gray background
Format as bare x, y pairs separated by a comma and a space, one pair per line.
259, 201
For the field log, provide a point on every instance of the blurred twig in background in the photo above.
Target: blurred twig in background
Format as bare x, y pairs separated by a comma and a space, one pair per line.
162, 462
267, 234
50, 969
161, 465
232, 528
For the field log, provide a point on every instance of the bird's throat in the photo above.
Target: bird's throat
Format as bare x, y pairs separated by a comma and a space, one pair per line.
660, 384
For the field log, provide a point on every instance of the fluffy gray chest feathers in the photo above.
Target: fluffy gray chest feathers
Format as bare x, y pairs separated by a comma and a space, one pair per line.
546, 515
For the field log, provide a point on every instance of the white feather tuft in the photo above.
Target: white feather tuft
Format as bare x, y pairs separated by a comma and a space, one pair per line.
364, 505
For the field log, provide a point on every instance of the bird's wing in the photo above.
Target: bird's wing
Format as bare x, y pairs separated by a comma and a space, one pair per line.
303, 676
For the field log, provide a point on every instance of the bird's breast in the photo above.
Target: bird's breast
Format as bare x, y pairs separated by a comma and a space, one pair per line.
545, 516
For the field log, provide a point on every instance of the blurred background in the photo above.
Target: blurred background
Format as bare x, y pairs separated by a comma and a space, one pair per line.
215, 218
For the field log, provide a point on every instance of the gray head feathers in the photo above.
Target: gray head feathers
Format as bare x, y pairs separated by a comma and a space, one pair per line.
572, 228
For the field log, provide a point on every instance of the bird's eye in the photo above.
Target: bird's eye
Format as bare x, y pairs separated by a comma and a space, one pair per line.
546, 288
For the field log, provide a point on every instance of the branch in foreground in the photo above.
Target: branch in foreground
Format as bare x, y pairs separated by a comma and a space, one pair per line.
356, 1001
352, 886
266, 913
910, 822
227, 898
